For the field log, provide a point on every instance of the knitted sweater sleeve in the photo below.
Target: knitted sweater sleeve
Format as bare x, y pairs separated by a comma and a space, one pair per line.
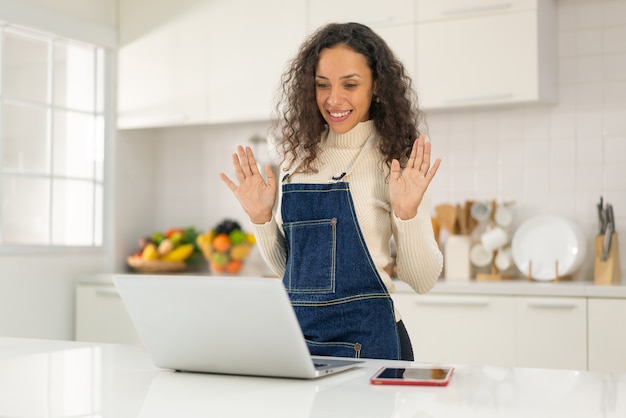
272, 245
419, 260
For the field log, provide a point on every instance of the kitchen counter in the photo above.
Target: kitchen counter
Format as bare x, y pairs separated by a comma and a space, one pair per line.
519, 287
516, 287
62, 378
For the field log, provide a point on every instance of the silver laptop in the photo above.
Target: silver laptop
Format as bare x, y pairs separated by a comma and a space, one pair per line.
228, 325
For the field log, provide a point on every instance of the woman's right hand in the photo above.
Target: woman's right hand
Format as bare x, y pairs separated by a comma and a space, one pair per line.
256, 196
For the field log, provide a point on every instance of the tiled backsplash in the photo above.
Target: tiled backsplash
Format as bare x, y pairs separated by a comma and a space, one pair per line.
558, 159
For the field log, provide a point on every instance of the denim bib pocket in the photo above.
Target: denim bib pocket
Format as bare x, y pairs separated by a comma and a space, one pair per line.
311, 263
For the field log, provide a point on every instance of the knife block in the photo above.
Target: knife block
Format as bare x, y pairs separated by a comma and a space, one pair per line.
607, 271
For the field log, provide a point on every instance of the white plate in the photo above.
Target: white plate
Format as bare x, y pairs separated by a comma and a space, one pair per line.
542, 241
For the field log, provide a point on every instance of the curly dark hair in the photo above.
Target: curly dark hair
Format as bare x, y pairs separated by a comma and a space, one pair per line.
394, 109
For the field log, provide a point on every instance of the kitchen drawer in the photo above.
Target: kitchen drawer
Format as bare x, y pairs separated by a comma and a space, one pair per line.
102, 317
476, 330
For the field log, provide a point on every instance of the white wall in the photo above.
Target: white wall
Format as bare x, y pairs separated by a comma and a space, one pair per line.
37, 290
557, 159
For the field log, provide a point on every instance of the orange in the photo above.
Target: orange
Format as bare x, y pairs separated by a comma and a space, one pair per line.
234, 266
217, 268
221, 243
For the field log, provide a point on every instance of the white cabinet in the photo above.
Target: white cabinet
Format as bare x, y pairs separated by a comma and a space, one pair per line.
493, 330
552, 332
393, 20
607, 335
102, 317
476, 330
479, 52
204, 61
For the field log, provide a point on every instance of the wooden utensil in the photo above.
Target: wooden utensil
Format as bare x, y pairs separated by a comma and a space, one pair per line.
446, 215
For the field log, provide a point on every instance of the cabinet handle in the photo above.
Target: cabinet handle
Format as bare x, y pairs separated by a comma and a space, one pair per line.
551, 305
107, 293
486, 8
455, 302
479, 98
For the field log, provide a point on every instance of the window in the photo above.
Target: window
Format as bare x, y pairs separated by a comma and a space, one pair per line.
52, 135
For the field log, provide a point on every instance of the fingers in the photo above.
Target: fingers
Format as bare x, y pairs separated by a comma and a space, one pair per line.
231, 185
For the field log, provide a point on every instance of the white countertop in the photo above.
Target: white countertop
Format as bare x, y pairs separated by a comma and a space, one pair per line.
41, 378
516, 287
519, 287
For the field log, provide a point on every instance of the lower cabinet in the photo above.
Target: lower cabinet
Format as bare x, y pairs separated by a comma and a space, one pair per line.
607, 335
551, 332
489, 330
102, 317
476, 330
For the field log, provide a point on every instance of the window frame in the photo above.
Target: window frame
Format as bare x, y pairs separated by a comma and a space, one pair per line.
104, 95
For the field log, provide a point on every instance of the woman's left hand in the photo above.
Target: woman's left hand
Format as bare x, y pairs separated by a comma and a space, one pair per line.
407, 186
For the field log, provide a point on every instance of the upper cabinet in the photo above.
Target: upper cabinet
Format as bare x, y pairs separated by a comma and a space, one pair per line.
189, 62
393, 20
485, 52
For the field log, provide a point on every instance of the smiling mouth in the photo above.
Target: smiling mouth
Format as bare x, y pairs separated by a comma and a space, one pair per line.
339, 116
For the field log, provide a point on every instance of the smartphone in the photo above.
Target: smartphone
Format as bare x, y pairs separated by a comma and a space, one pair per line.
416, 375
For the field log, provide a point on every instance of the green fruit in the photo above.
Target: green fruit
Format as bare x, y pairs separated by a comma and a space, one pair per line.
237, 237
220, 259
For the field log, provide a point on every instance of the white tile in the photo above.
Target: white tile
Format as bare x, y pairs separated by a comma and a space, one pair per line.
615, 94
563, 203
615, 152
536, 125
562, 124
510, 184
614, 12
614, 67
485, 181
563, 151
562, 178
485, 153
567, 97
567, 44
589, 150
614, 39
589, 14
461, 183
589, 178
567, 16
568, 70
614, 175
589, 42
510, 153
511, 124
589, 123
536, 179
589, 96
615, 122
536, 153
589, 68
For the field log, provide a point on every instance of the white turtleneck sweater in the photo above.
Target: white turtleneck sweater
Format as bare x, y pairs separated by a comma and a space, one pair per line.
418, 261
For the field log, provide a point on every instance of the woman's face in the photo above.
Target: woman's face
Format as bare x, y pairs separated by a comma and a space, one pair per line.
343, 87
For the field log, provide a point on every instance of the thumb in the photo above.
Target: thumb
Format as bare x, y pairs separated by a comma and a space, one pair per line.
395, 169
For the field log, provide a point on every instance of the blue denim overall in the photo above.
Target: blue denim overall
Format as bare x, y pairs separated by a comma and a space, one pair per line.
341, 302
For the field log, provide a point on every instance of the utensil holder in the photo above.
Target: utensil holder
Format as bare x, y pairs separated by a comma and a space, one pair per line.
607, 271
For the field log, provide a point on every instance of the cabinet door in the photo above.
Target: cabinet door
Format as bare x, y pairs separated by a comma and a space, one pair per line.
203, 61
454, 9
371, 13
162, 63
607, 335
102, 317
250, 45
552, 333
476, 330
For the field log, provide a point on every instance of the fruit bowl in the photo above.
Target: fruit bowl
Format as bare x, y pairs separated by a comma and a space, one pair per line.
155, 266
163, 252
226, 247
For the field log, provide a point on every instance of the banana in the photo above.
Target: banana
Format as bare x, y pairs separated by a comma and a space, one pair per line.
180, 253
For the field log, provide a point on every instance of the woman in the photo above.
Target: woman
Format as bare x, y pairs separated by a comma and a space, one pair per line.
352, 177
